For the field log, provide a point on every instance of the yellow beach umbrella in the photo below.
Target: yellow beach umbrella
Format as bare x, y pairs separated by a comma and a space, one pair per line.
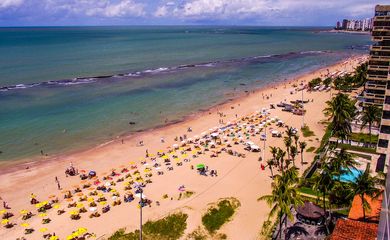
82, 230
2, 211
53, 238
4, 221
74, 212
90, 199
24, 211
103, 203
43, 229
25, 224
42, 215
165, 157
56, 206
184, 155
80, 205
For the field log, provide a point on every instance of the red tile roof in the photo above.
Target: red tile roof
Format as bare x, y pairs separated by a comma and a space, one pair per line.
354, 230
356, 211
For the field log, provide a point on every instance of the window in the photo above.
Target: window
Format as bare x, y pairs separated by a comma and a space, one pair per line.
387, 101
385, 129
383, 143
386, 114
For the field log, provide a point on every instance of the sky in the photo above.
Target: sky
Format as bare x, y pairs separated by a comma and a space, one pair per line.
183, 12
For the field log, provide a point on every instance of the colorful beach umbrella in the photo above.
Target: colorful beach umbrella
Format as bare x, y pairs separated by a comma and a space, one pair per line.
200, 165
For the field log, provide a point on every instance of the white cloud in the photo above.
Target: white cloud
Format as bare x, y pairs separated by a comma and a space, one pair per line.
121, 9
265, 9
10, 3
97, 8
161, 11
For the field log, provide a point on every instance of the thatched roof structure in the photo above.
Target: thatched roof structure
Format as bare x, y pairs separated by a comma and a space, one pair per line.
311, 211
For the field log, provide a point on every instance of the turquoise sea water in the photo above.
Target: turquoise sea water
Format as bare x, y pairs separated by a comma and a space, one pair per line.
92, 81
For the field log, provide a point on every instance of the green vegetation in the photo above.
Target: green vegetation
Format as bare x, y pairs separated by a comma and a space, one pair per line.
358, 148
349, 82
309, 191
284, 195
218, 215
364, 138
306, 132
171, 227
197, 234
310, 149
314, 82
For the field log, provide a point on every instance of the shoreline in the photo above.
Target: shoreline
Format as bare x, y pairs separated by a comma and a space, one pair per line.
9, 166
238, 177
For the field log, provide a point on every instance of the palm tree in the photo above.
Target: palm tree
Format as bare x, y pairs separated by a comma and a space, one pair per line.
293, 153
290, 132
274, 151
340, 110
287, 143
270, 163
284, 195
341, 162
324, 182
366, 185
302, 146
296, 139
371, 114
280, 156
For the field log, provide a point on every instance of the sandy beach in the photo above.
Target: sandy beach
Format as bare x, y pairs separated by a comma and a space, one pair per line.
238, 177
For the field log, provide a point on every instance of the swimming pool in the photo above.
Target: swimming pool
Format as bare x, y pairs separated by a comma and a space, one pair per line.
350, 176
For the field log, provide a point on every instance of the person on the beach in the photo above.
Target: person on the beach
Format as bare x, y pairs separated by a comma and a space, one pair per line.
58, 183
147, 153
5, 205
162, 140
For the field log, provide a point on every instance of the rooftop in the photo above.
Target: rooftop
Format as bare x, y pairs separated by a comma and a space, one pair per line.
354, 230
356, 211
382, 8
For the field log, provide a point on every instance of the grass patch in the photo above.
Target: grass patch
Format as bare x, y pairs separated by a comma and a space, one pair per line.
310, 149
363, 137
325, 139
197, 234
306, 132
169, 228
218, 215
309, 191
357, 148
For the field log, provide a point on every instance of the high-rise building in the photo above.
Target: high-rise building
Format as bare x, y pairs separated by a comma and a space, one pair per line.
344, 25
378, 92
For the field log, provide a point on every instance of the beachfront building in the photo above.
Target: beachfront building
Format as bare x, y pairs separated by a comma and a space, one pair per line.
378, 92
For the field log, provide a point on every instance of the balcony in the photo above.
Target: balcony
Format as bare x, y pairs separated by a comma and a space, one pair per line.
380, 38
381, 29
380, 58
373, 86
382, 19
377, 77
378, 68
380, 48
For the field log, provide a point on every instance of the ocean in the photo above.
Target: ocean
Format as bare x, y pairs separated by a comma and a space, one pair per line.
64, 89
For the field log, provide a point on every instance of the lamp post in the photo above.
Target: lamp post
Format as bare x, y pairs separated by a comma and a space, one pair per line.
139, 188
